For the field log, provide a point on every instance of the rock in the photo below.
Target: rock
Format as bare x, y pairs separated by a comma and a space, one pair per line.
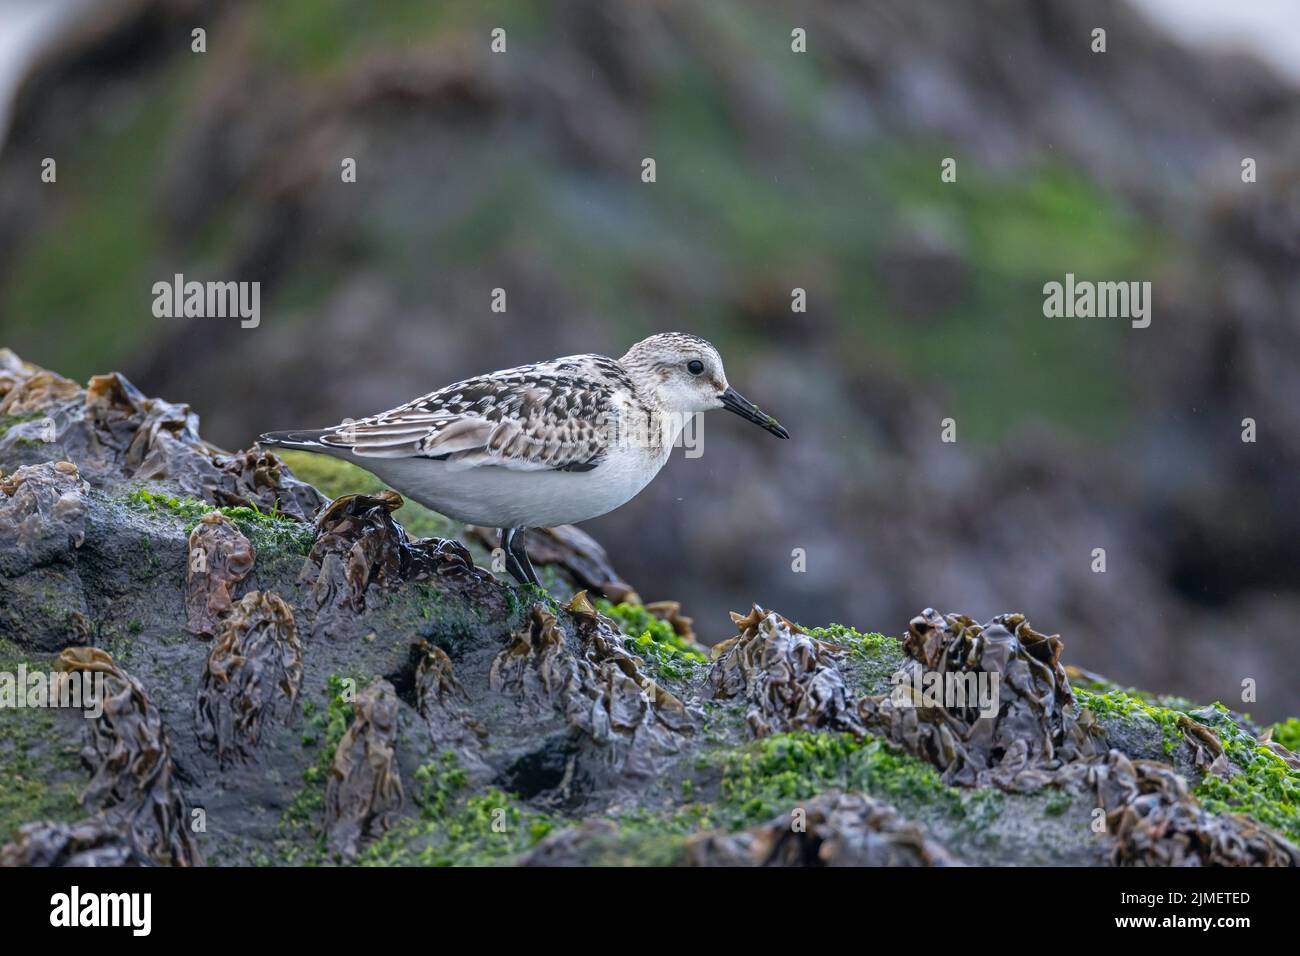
93, 842
572, 846
42, 524
116, 434
377, 699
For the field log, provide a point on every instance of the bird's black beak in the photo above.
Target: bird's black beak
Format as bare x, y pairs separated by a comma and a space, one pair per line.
733, 401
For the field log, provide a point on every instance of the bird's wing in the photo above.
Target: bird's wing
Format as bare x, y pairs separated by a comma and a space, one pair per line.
533, 418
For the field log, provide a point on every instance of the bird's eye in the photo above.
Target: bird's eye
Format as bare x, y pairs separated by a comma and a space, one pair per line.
695, 366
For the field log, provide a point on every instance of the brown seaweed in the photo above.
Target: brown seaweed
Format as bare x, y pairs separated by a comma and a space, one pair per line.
789, 678
253, 674
358, 544
1020, 746
114, 433
598, 687
364, 788
91, 842
255, 478
442, 702
42, 516
834, 829
218, 560
36, 392
1152, 819
133, 780
1207, 750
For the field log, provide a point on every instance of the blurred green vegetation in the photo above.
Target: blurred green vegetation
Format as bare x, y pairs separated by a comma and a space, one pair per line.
315, 36
722, 217
81, 285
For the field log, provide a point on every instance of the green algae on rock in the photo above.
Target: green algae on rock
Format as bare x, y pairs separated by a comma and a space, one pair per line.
659, 634
271, 530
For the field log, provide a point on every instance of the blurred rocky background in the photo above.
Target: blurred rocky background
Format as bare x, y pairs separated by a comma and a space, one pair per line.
775, 170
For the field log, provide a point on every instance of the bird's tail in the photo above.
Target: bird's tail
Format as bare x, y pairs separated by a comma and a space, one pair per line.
302, 438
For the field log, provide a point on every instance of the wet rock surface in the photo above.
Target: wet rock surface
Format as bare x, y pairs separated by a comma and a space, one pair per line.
338, 692
93, 842
114, 434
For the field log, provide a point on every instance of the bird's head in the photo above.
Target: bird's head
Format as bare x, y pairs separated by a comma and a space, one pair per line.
684, 375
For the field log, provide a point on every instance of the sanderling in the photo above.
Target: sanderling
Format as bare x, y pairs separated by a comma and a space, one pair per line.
539, 445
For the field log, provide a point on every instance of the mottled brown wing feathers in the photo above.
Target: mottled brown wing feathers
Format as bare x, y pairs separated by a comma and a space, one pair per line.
530, 418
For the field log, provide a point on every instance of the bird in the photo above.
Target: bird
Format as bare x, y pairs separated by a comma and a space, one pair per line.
556, 442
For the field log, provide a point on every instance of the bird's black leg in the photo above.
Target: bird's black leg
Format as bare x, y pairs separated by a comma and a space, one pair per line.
512, 563
517, 563
515, 570
512, 539
521, 555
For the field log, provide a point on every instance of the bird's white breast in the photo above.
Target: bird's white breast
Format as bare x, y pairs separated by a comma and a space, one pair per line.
499, 497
